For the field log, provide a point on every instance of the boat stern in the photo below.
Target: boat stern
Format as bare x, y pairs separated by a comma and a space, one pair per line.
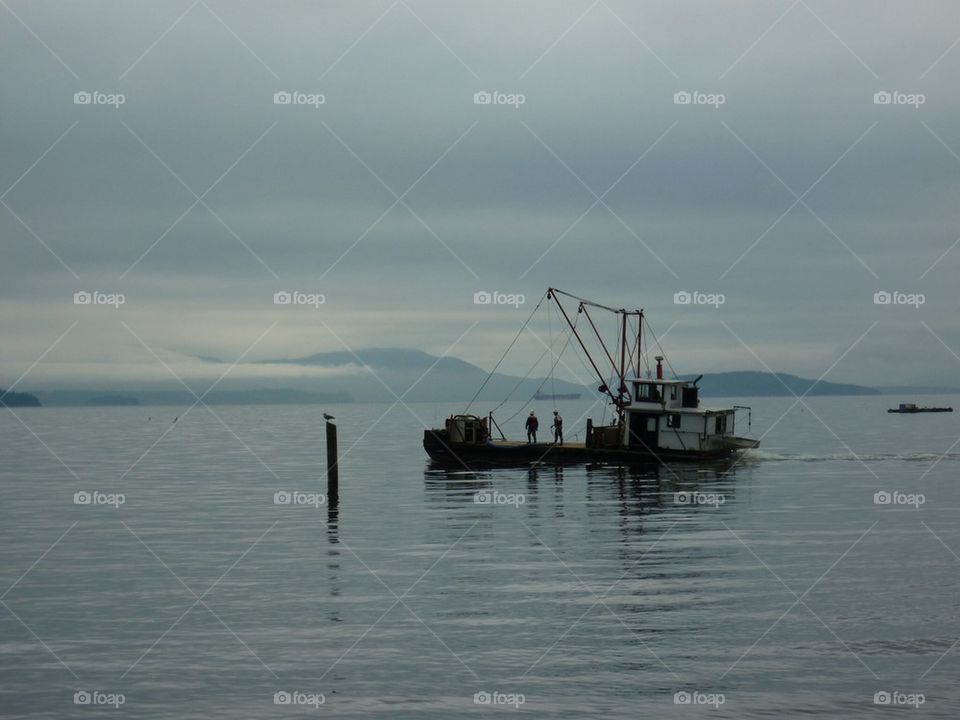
741, 443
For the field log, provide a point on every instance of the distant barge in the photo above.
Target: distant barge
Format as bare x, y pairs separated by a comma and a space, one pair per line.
910, 408
557, 396
654, 418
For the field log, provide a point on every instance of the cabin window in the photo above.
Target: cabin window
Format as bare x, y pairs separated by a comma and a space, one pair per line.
469, 432
673, 392
647, 392
673, 421
721, 424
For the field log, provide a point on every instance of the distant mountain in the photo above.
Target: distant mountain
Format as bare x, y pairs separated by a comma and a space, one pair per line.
254, 396
274, 396
16, 399
453, 379
397, 358
746, 383
112, 401
383, 374
418, 376
919, 390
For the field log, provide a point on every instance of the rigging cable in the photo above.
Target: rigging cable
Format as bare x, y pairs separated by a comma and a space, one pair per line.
543, 382
646, 353
509, 347
521, 380
553, 389
662, 352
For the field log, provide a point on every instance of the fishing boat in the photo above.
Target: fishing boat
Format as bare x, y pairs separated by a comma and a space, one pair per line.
910, 408
653, 418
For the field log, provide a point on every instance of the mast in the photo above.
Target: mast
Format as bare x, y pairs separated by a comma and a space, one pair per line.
622, 396
639, 336
623, 354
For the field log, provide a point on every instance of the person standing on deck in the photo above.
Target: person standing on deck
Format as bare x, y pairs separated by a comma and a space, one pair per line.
557, 428
532, 425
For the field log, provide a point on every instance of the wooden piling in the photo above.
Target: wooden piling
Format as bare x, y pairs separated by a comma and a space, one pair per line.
333, 479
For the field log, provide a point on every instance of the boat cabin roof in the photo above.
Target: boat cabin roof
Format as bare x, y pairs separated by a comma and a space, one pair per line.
655, 381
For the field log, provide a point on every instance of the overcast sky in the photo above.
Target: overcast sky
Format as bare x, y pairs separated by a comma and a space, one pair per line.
783, 185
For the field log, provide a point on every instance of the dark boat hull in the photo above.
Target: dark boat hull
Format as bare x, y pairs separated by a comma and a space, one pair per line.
913, 411
440, 449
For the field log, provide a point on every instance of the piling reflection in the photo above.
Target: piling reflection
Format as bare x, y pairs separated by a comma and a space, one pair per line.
333, 523
334, 570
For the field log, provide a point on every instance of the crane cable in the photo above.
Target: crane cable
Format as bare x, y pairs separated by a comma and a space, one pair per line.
543, 382
502, 357
662, 353
553, 388
521, 381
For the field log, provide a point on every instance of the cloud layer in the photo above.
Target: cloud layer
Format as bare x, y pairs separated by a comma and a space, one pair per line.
798, 197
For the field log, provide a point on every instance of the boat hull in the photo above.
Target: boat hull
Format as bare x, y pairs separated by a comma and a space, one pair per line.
439, 447
913, 411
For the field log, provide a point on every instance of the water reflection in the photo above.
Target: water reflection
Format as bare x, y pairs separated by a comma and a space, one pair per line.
634, 489
334, 571
638, 537
333, 524
623, 505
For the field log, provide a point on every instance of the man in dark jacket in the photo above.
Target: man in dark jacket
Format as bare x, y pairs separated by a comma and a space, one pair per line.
557, 428
532, 425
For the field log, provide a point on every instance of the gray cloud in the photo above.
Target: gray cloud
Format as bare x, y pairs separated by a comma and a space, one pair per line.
304, 205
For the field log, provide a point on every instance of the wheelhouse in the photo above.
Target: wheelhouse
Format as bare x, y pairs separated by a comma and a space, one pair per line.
663, 414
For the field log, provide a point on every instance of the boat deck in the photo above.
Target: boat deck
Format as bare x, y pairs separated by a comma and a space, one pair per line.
509, 452
542, 446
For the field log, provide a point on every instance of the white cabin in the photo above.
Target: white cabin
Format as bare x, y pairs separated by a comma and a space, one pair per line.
666, 415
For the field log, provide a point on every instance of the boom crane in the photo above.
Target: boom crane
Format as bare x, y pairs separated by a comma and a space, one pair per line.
629, 356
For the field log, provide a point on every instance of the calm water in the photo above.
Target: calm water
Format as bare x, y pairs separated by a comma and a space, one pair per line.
587, 592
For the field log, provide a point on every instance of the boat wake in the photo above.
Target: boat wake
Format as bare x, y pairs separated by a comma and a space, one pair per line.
768, 456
